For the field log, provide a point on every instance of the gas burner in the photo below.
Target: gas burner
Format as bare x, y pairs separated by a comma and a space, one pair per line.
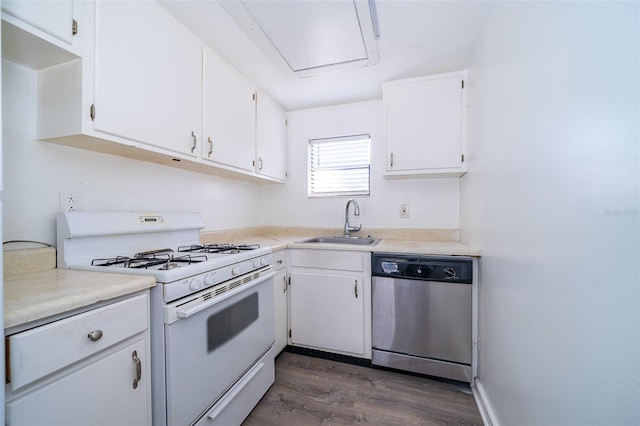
218, 248
163, 259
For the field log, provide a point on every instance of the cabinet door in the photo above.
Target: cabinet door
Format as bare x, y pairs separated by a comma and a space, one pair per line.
271, 139
327, 311
101, 393
229, 115
52, 17
424, 123
280, 307
148, 79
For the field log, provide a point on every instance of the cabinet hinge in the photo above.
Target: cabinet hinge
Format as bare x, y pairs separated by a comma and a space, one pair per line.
286, 122
254, 97
463, 158
289, 332
74, 27
92, 112
462, 84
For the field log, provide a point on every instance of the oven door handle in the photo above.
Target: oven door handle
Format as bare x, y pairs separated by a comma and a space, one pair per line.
186, 313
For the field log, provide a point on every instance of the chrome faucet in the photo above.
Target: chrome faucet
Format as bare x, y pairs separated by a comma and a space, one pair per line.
356, 212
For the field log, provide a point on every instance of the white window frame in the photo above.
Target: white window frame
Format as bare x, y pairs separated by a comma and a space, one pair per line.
336, 168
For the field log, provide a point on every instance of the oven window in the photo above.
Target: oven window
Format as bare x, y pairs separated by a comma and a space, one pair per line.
228, 323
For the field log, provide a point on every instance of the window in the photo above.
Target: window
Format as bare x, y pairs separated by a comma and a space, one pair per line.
339, 166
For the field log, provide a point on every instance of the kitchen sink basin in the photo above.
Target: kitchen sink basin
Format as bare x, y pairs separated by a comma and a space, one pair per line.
359, 241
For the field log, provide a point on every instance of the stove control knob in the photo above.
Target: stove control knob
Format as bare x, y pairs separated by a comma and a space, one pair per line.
193, 285
209, 279
235, 270
257, 263
264, 261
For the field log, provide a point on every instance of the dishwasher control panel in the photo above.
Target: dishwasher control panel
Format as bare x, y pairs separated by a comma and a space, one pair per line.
425, 268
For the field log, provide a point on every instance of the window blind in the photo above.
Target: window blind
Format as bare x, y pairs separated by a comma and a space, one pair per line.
339, 166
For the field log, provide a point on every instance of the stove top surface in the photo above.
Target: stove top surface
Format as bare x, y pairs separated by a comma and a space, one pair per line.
165, 245
167, 258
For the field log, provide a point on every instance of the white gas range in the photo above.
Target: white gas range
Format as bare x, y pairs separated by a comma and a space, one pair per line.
211, 312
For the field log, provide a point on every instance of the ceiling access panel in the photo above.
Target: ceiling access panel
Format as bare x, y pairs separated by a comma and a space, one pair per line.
306, 38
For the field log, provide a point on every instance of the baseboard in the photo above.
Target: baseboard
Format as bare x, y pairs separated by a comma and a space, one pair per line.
328, 355
488, 416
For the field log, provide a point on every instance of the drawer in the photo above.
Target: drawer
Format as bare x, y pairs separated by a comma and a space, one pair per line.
328, 259
279, 259
43, 350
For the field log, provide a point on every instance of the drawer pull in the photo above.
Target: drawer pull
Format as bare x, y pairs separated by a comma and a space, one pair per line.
95, 335
134, 357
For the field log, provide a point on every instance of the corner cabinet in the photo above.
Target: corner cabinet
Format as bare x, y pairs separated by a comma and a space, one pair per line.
243, 128
271, 138
425, 126
330, 301
90, 368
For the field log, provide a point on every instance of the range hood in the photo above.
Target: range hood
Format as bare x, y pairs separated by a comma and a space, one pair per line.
305, 38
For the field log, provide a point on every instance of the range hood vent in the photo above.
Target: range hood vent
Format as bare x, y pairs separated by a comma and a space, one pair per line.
306, 38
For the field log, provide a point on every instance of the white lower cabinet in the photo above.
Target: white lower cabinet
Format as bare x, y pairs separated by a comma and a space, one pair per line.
330, 301
90, 368
280, 301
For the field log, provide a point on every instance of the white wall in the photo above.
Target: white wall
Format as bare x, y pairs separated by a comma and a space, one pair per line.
551, 200
35, 172
434, 203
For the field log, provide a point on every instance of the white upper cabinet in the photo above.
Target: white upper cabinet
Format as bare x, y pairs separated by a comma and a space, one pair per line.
271, 139
425, 126
142, 86
148, 77
52, 17
39, 34
229, 115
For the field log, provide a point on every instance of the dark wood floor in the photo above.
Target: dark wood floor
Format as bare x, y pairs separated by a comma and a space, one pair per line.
314, 391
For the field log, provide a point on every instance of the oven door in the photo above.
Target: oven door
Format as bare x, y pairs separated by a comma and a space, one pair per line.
212, 340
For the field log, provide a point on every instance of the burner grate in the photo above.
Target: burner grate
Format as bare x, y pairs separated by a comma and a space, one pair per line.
218, 248
163, 258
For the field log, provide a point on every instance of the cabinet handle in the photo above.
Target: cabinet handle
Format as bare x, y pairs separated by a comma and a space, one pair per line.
193, 135
134, 357
210, 146
355, 288
279, 261
260, 168
285, 284
95, 335
392, 160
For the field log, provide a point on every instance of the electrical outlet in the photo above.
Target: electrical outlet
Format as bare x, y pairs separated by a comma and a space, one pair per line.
70, 201
404, 211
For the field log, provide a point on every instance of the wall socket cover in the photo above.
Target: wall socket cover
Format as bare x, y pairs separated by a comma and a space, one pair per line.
404, 211
70, 201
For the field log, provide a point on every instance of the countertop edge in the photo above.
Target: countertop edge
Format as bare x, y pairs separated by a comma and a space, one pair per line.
34, 296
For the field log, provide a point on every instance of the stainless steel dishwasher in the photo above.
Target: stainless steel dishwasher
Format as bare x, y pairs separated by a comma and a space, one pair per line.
422, 314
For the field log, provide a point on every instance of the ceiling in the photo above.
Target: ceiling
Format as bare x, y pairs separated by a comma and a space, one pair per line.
417, 37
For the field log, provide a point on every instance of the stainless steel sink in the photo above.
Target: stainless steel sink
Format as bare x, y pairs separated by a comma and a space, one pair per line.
343, 240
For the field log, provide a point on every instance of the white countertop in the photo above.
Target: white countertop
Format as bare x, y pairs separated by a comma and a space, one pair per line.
443, 248
35, 295
32, 296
